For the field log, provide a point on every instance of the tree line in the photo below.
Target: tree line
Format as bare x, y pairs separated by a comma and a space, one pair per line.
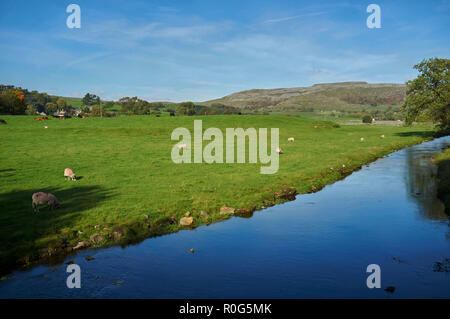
15, 100
427, 97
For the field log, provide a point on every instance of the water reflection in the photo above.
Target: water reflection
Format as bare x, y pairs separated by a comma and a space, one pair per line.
421, 181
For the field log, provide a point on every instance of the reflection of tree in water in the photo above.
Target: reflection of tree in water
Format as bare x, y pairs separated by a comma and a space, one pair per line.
422, 184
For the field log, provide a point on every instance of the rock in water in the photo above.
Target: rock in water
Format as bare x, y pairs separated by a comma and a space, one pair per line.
390, 289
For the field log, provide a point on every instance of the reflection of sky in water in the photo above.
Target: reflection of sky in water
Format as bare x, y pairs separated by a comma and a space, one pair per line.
316, 246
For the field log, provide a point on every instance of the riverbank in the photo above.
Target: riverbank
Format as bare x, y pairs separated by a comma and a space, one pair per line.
443, 162
129, 188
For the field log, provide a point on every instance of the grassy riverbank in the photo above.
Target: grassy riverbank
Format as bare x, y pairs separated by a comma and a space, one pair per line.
130, 189
443, 162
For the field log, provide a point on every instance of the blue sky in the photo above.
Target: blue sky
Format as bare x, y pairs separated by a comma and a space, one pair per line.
198, 50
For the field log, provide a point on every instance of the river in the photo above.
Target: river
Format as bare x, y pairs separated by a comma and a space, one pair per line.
317, 246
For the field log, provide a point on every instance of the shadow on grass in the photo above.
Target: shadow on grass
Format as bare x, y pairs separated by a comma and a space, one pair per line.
8, 170
423, 134
22, 231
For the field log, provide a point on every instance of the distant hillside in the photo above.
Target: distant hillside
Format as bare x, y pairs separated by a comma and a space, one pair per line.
343, 96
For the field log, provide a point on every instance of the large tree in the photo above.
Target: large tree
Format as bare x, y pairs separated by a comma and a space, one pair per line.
62, 104
428, 95
51, 108
91, 99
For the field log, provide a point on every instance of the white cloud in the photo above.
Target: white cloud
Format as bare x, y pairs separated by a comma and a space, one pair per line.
294, 17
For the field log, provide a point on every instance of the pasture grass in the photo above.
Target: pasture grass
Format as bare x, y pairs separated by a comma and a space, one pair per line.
129, 184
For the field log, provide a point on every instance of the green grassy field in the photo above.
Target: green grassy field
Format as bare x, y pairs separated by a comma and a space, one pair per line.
77, 102
443, 162
129, 184
317, 116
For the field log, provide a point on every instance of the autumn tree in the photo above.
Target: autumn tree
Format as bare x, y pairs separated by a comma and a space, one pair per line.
97, 111
12, 102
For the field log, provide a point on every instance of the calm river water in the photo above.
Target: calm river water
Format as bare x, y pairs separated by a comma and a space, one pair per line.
316, 246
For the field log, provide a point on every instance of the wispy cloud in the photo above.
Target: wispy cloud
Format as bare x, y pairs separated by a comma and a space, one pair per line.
87, 58
312, 14
123, 33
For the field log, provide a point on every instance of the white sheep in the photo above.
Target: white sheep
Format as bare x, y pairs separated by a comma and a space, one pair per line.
68, 173
279, 150
362, 139
290, 139
382, 136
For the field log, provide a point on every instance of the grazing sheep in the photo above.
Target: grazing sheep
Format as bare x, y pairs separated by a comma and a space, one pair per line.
45, 126
68, 173
41, 198
362, 139
290, 139
382, 136
279, 150
182, 146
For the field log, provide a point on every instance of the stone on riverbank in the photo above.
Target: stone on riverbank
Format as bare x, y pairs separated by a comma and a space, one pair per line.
226, 210
82, 244
186, 221
96, 238
287, 194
